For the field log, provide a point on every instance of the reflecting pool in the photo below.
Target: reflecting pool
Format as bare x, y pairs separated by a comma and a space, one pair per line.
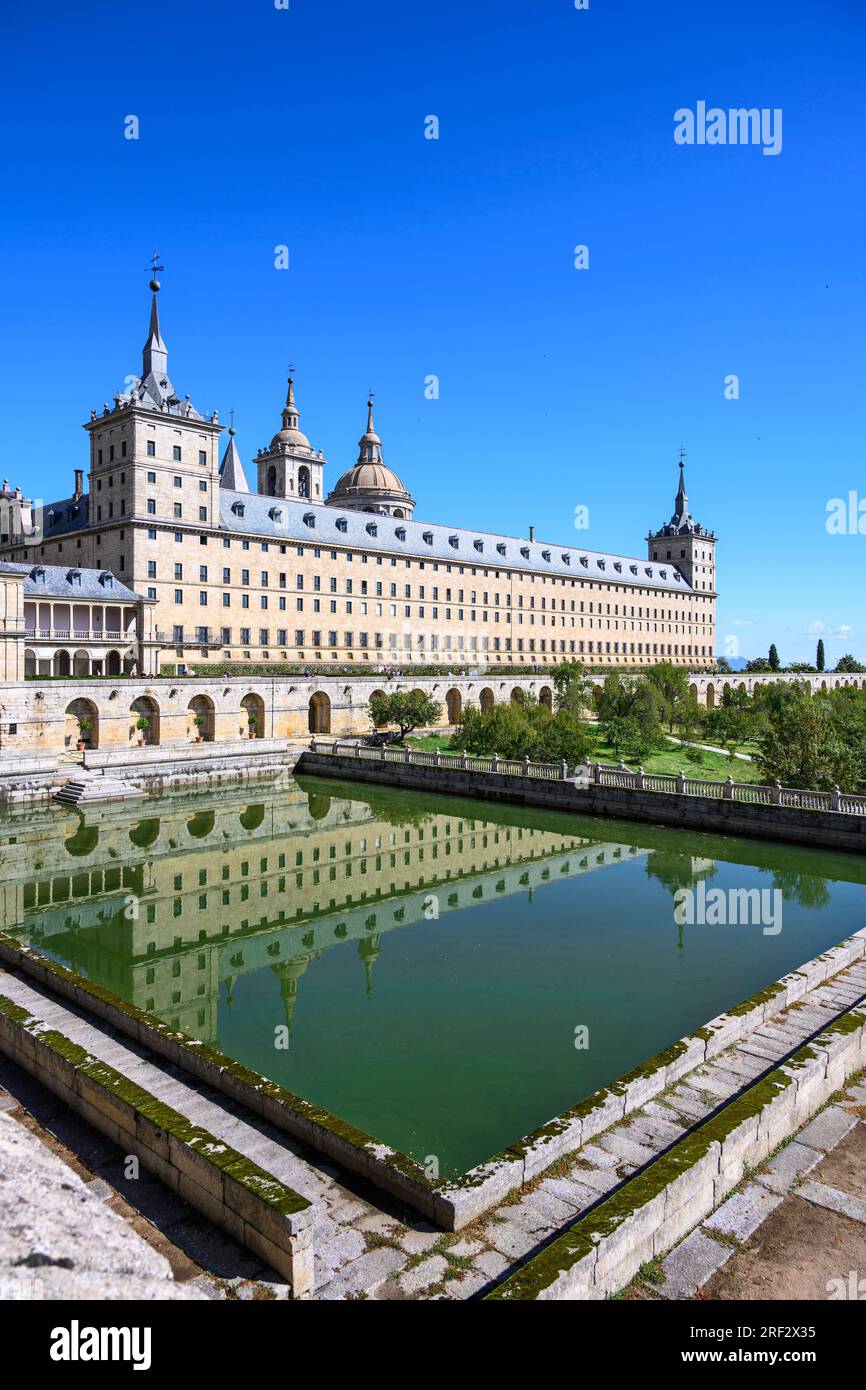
444, 973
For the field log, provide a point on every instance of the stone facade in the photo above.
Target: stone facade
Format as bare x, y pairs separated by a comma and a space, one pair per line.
283, 575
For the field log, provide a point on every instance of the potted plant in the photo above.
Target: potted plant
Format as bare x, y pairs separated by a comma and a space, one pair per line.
252, 722
142, 724
198, 721
84, 726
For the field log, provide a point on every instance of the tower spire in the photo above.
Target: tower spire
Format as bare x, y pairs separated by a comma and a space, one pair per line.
154, 356
681, 504
370, 443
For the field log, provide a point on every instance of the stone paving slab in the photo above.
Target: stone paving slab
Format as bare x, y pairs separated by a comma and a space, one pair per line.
691, 1265
827, 1129
834, 1200
788, 1166
743, 1213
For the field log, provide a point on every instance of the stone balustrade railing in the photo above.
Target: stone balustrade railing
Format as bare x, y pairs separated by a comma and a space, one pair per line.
607, 775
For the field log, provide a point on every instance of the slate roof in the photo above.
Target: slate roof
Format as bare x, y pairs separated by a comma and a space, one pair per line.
282, 519
58, 583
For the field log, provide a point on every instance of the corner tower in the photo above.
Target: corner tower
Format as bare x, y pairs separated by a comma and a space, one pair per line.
685, 543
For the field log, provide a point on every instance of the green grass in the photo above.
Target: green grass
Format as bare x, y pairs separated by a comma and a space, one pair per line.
694, 762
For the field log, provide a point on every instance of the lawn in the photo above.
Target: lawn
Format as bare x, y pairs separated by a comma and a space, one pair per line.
694, 762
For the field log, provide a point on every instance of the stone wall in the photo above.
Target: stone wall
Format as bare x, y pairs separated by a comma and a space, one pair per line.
832, 829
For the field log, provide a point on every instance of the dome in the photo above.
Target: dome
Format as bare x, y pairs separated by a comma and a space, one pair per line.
369, 477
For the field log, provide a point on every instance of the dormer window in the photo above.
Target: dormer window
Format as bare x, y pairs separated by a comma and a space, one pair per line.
309, 519
501, 548
454, 541
584, 560
372, 528
238, 508
51, 516
566, 559
524, 550
106, 579
617, 564
38, 574
341, 524
647, 569
400, 533
633, 569
545, 555
602, 564
479, 545
663, 573
275, 513
427, 538
74, 577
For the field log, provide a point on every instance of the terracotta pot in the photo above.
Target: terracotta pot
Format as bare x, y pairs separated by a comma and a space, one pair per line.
199, 738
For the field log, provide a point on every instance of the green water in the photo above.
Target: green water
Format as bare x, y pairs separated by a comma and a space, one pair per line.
427, 960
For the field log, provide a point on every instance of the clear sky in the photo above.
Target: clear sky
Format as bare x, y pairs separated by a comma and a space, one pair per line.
409, 257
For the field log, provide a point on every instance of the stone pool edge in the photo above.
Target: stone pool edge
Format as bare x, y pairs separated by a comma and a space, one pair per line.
451, 1205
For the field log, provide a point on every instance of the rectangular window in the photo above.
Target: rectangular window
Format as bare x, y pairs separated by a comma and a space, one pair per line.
151, 450
175, 453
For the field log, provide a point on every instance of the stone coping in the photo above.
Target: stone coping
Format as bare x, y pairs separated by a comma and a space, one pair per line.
450, 1204
649, 1212
254, 1206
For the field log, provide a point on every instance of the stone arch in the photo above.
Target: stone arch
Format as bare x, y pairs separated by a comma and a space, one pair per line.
303, 481
82, 724
319, 718
62, 664
84, 840
518, 695
199, 826
711, 696
693, 691
113, 664
29, 662
486, 700
141, 709
200, 718
823, 685
145, 833
596, 695
545, 697
318, 805
254, 707
271, 485
454, 705
81, 663
251, 818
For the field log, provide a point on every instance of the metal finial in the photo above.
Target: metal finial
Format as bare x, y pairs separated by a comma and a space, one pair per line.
153, 268
232, 420
682, 455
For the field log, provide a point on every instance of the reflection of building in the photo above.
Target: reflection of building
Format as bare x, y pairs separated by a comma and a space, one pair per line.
290, 572
163, 904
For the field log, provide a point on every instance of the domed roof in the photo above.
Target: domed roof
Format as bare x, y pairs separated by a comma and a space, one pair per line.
369, 477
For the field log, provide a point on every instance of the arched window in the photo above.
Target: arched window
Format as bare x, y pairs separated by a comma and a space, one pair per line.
303, 482
272, 481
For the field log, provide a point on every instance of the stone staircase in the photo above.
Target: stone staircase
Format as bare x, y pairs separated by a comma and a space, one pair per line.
90, 787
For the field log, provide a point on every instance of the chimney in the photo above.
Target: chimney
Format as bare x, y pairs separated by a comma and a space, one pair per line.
532, 533
79, 485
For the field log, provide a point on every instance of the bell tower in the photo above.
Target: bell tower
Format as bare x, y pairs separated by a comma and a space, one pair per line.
290, 466
685, 543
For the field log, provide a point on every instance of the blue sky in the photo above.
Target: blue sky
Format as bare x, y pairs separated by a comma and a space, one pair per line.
412, 257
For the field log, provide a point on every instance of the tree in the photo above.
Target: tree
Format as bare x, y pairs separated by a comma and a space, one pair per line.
573, 687
408, 709
847, 663
628, 713
758, 663
671, 684
526, 730
773, 658
820, 658
800, 746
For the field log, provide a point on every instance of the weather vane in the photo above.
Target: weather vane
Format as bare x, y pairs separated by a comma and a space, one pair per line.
682, 454
153, 268
291, 370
